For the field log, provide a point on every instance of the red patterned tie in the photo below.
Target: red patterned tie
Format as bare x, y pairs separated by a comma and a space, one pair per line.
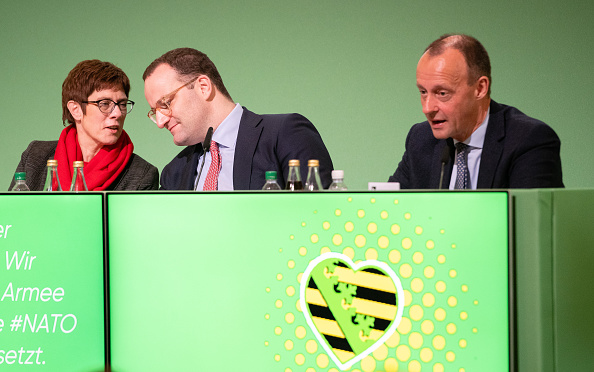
212, 178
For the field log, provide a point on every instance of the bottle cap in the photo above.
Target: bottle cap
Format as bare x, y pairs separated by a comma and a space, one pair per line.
337, 174
20, 176
78, 164
270, 175
313, 163
294, 163
52, 163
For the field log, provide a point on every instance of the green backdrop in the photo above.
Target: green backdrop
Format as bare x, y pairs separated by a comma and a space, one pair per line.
349, 66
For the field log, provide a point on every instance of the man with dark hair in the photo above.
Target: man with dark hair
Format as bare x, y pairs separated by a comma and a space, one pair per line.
187, 96
470, 141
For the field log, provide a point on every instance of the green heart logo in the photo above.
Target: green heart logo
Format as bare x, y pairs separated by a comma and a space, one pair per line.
351, 308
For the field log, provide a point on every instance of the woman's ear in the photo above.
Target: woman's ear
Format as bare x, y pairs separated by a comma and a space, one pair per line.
75, 110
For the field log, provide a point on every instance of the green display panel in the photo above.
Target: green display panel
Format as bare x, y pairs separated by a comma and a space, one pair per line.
309, 282
51, 282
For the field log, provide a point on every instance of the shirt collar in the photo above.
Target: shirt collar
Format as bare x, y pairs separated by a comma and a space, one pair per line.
226, 133
477, 138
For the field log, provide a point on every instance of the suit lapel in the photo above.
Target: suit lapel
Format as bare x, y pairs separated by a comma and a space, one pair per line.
436, 164
190, 171
245, 147
492, 147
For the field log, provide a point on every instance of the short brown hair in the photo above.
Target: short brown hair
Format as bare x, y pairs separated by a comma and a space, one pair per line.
87, 77
475, 54
189, 63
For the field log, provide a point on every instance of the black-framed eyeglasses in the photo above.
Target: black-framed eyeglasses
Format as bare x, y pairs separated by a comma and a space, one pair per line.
164, 104
106, 105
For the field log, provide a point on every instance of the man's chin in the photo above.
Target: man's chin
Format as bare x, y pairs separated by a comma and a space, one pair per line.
439, 133
179, 141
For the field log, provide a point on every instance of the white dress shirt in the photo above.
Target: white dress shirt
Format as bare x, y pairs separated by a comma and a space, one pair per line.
475, 150
226, 136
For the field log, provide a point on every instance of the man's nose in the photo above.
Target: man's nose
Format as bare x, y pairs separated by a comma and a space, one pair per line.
429, 105
162, 119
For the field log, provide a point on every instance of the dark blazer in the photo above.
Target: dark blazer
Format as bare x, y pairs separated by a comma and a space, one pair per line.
518, 152
264, 143
138, 174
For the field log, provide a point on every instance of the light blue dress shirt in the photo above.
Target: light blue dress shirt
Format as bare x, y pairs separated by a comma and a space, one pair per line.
226, 136
475, 147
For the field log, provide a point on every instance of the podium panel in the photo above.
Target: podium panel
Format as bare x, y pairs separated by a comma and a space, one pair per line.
309, 281
51, 282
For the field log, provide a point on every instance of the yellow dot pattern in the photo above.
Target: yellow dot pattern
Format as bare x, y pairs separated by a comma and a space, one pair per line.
428, 299
311, 346
430, 332
383, 242
300, 332
322, 360
337, 239
371, 254
418, 257
360, 241
429, 272
416, 285
394, 256
395, 229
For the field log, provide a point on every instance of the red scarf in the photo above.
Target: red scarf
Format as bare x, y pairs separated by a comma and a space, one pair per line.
102, 170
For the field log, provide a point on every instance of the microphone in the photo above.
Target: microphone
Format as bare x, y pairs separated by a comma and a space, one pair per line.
205, 149
445, 156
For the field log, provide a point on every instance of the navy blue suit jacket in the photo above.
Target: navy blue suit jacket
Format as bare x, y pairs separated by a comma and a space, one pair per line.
264, 143
518, 152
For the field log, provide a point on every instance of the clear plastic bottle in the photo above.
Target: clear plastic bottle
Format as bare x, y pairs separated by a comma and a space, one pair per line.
52, 181
313, 182
271, 183
21, 184
337, 181
294, 178
78, 177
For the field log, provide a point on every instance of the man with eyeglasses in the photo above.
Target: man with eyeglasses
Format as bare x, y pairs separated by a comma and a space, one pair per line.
95, 104
187, 96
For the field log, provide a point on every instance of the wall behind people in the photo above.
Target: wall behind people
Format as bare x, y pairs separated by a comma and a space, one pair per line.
349, 66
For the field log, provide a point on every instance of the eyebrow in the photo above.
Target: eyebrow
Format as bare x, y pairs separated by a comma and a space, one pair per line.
102, 98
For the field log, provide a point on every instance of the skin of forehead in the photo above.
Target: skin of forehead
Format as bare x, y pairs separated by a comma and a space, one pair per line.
449, 67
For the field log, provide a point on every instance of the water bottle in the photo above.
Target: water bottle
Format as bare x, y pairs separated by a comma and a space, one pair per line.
313, 182
20, 185
294, 178
78, 177
52, 181
337, 181
271, 183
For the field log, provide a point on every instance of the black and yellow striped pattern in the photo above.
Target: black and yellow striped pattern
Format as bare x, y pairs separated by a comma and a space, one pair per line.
375, 297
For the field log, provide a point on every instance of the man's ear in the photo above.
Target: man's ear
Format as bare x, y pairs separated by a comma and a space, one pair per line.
75, 110
205, 87
482, 87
